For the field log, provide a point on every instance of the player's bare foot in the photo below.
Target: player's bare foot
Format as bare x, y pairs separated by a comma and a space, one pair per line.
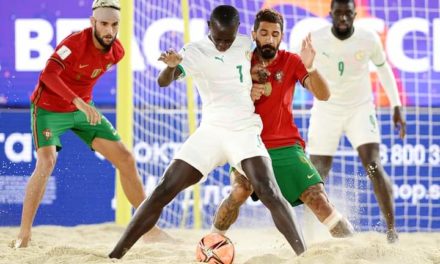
392, 236
342, 229
158, 235
20, 242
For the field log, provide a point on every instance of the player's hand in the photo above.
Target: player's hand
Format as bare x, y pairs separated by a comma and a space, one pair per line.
259, 73
399, 122
257, 91
93, 116
171, 58
307, 52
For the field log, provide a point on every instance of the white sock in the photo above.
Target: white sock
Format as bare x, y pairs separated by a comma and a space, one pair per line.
333, 219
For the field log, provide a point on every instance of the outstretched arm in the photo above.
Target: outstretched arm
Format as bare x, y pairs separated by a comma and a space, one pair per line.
171, 58
315, 83
388, 81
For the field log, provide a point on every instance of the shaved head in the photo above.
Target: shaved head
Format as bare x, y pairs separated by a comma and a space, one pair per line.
106, 13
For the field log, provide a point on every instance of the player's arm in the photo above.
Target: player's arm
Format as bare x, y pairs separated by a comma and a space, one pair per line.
51, 78
172, 59
315, 83
389, 84
388, 81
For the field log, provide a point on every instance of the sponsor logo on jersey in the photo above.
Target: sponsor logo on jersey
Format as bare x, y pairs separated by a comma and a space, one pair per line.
219, 58
83, 66
64, 52
47, 133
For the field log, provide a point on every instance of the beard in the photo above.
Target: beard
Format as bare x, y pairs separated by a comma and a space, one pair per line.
343, 34
102, 42
267, 51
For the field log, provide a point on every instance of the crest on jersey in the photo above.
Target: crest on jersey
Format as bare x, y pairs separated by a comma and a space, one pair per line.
47, 133
359, 55
95, 73
279, 76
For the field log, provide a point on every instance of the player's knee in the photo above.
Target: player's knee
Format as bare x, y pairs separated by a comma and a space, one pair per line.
127, 159
372, 168
268, 194
46, 164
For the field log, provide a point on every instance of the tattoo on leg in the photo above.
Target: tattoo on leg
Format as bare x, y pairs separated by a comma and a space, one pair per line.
227, 214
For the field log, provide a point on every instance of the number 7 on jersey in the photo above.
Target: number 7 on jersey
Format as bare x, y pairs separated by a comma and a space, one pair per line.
239, 67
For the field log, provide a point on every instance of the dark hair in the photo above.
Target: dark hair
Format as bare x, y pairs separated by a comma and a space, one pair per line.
225, 15
342, 2
268, 15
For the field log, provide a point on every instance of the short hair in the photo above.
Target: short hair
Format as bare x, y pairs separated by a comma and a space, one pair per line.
342, 2
106, 3
225, 15
268, 15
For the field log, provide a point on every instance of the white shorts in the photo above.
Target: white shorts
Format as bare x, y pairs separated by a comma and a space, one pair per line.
213, 146
326, 128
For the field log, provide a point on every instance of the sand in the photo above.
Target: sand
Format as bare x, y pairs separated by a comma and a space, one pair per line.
91, 243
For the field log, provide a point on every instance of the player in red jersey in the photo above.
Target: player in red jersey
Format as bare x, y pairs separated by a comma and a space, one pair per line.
276, 72
62, 100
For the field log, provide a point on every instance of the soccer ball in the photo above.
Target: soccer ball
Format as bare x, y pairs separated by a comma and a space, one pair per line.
215, 248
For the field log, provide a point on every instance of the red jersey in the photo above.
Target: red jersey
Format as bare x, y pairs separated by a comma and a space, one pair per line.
82, 65
279, 129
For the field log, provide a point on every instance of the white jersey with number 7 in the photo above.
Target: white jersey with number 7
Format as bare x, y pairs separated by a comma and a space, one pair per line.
223, 80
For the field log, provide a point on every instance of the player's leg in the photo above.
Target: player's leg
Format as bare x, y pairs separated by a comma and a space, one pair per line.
197, 157
104, 139
177, 177
321, 146
259, 171
46, 159
364, 135
229, 208
300, 182
370, 157
317, 200
123, 160
46, 130
323, 164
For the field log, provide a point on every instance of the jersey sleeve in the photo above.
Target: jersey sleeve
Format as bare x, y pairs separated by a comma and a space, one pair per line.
188, 65
300, 70
378, 54
65, 53
50, 76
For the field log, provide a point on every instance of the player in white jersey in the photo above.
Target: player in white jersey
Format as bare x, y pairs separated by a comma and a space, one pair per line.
343, 54
229, 130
